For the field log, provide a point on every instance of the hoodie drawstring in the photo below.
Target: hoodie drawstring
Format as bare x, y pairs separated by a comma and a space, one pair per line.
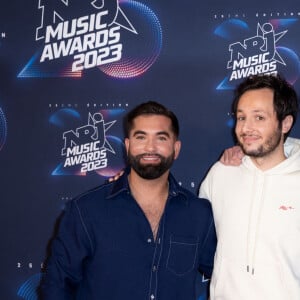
261, 200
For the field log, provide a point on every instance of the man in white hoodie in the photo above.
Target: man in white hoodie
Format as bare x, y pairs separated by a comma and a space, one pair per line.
256, 205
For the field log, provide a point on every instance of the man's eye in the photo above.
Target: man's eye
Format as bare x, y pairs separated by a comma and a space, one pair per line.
162, 138
240, 118
259, 118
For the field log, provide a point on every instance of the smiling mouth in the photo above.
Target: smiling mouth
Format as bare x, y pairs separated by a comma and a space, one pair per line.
150, 158
248, 139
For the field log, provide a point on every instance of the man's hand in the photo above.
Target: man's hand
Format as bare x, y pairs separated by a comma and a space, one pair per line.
116, 177
232, 156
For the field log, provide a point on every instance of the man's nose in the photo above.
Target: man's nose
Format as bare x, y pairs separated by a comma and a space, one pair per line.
150, 144
247, 125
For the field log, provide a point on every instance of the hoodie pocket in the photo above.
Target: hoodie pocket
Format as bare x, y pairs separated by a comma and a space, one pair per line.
182, 254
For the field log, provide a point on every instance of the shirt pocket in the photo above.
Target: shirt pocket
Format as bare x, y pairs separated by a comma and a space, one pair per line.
182, 254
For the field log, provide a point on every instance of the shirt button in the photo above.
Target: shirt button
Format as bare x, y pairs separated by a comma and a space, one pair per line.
149, 241
152, 296
154, 268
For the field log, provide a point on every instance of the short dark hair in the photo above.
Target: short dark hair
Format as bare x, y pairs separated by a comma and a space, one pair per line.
150, 108
285, 98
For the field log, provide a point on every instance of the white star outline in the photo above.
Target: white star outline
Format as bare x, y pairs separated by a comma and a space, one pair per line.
277, 37
107, 126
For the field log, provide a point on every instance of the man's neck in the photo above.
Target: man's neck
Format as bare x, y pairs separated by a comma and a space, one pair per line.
148, 188
151, 196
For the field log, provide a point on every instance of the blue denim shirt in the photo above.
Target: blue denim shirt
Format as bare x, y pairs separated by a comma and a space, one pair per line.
104, 248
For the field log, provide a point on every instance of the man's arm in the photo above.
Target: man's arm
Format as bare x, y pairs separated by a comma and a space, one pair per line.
69, 248
208, 250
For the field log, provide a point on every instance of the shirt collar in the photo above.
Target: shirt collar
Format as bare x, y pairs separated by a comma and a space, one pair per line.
122, 186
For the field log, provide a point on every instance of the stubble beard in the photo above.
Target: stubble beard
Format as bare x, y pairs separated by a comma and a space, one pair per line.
266, 148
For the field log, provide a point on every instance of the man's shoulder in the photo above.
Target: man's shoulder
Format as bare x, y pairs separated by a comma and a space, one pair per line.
220, 176
95, 195
194, 200
221, 169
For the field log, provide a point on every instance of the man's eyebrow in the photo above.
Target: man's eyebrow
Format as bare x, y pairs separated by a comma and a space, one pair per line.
163, 133
138, 132
258, 110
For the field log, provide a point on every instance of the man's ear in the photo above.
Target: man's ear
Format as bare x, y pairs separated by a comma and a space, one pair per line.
177, 148
287, 123
126, 142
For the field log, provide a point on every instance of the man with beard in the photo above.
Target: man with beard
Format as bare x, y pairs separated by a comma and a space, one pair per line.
256, 205
142, 237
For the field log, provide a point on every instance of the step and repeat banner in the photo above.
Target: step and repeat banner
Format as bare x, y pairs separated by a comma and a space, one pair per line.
71, 69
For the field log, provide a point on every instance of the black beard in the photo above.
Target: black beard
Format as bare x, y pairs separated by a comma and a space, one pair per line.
150, 171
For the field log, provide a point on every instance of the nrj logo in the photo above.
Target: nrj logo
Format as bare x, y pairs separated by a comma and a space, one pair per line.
85, 148
256, 54
260, 53
74, 36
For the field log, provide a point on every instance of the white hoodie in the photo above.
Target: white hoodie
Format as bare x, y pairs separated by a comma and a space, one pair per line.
257, 217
